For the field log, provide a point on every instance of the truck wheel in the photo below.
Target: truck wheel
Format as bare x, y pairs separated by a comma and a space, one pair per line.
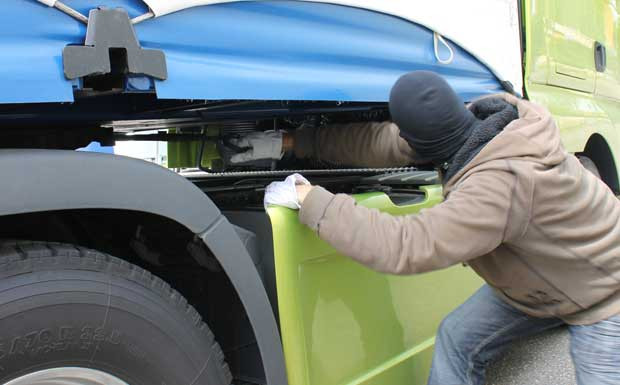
74, 315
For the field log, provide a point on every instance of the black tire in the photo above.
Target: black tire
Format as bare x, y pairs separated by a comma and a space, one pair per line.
66, 306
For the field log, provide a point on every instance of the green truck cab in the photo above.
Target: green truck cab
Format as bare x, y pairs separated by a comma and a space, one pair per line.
117, 271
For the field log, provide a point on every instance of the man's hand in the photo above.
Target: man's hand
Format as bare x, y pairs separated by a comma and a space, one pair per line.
285, 193
261, 145
302, 192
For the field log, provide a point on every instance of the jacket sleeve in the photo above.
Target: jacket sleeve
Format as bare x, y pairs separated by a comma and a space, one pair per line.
469, 224
369, 144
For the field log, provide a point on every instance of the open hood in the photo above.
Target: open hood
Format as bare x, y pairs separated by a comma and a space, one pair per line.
341, 51
487, 29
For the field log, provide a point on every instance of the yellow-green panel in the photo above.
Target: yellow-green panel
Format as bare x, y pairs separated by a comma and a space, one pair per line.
345, 324
184, 154
559, 31
605, 24
569, 38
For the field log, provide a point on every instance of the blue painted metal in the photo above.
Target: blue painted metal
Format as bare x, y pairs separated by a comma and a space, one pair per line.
32, 37
267, 50
97, 147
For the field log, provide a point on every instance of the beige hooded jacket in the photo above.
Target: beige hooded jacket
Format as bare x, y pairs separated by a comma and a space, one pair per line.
523, 213
370, 144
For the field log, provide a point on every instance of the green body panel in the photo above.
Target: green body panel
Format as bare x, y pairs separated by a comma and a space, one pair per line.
185, 154
583, 101
343, 323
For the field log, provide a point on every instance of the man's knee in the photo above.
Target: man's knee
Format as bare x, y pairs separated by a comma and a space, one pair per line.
451, 335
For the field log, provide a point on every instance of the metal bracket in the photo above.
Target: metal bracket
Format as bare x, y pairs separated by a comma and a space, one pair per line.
110, 31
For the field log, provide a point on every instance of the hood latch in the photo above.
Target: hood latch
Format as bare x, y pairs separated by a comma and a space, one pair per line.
112, 45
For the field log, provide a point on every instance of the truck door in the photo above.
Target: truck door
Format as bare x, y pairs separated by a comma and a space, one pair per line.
570, 43
564, 43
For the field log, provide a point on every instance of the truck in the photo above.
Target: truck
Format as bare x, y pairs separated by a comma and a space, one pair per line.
119, 271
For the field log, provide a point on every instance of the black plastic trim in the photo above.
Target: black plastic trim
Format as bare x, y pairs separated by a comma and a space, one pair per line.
600, 56
599, 152
112, 42
233, 256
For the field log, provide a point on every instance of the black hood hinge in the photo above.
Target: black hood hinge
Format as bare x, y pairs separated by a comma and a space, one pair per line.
111, 43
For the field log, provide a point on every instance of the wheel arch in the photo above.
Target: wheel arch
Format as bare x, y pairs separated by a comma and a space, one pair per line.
597, 148
54, 181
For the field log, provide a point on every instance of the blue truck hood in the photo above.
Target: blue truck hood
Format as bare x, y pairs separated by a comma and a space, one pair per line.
264, 50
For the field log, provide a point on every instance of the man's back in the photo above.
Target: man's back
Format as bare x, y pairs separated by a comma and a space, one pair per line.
565, 260
560, 252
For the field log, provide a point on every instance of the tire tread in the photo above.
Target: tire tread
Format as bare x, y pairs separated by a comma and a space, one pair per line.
23, 257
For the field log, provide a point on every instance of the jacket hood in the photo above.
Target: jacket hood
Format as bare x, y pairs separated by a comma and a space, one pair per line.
534, 137
492, 115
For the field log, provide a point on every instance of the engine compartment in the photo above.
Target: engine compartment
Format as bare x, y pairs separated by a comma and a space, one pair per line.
234, 186
196, 133
205, 143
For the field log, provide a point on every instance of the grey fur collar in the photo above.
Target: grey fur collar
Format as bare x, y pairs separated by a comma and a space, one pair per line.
493, 115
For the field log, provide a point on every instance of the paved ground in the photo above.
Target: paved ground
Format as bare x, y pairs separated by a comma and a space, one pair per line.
541, 360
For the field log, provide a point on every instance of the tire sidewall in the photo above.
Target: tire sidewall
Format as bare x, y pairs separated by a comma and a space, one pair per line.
102, 320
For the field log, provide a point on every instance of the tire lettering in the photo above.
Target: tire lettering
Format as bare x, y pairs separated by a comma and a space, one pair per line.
45, 336
64, 338
66, 333
87, 333
31, 339
2, 349
15, 346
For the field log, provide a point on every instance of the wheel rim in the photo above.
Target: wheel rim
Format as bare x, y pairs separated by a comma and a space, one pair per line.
72, 376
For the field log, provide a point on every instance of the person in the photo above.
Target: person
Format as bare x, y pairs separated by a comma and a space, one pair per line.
540, 229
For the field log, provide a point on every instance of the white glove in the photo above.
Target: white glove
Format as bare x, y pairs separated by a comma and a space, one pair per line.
264, 145
284, 193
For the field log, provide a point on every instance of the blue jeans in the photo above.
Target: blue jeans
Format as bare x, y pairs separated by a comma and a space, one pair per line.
481, 328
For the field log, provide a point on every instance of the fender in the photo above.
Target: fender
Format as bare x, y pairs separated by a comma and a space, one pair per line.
50, 180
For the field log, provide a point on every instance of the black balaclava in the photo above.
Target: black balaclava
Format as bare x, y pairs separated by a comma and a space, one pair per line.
430, 115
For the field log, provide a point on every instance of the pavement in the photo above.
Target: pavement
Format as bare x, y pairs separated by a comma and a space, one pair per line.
538, 360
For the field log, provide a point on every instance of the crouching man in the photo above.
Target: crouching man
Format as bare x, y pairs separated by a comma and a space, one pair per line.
540, 229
